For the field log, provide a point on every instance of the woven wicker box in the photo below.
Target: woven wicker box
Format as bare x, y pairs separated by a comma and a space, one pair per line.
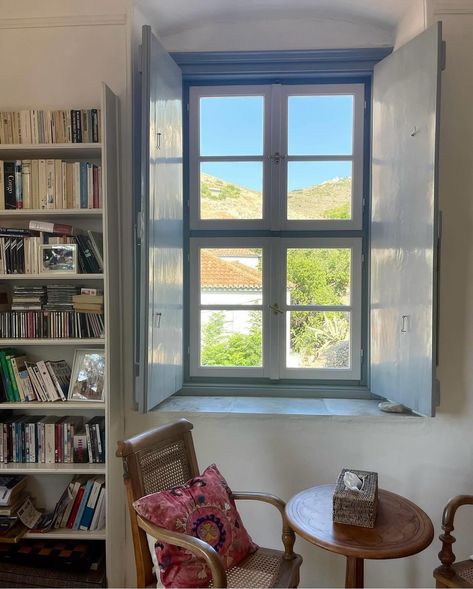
356, 508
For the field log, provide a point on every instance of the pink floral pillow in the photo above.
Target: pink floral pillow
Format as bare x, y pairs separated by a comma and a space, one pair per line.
204, 507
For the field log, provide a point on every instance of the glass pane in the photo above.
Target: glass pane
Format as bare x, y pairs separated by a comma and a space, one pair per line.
320, 125
231, 125
231, 338
231, 190
232, 276
318, 339
319, 190
318, 276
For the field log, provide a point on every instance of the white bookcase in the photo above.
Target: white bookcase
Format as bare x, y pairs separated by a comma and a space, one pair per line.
47, 481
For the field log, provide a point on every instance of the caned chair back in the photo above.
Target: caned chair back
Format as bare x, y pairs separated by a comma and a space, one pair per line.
158, 459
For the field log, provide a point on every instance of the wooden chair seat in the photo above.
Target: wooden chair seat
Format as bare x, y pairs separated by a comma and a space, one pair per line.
264, 568
163, 458
462, 577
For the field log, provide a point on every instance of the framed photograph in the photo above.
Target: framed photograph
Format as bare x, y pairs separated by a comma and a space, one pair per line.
88, 376
58, 258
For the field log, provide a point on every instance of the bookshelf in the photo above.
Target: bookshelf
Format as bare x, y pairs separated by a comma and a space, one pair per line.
48, 481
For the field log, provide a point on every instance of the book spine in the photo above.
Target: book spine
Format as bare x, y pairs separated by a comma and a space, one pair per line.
9, 185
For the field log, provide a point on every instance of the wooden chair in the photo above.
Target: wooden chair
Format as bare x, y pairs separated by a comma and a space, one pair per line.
164, 457
451, 573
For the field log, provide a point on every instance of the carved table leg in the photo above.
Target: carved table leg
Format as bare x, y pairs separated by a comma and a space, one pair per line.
354, 574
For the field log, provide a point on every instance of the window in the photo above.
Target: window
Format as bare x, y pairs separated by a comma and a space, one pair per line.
276, 231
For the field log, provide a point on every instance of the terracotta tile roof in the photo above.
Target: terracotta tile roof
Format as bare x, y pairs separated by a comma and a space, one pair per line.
217, 273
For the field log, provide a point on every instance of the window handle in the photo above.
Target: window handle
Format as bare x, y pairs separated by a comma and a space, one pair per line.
276, 310
277, 158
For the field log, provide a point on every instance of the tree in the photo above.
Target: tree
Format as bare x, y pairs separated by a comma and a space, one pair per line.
234, 349
317, 277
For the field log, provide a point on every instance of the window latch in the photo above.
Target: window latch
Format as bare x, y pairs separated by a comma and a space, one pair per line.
276, 310
277, 158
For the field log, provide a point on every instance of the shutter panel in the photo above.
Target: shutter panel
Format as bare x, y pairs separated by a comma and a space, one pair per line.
159, 312
404, 222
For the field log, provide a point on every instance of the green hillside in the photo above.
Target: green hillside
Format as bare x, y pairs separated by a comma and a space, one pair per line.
224, 200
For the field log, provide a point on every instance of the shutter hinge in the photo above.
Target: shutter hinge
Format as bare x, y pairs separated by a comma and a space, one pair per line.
188, 350
363, 202
366, 104
187, 107
443, 55
437, 392
362, 258
362, 355
139, 226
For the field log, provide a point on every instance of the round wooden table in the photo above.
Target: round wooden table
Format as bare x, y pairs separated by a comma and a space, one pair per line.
401, 529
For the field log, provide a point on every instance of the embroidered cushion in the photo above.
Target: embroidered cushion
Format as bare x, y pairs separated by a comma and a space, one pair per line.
204, 507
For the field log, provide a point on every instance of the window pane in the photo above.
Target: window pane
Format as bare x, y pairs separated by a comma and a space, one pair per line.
231, 190
319, 190
318, 276
231, 338
231, 125
320, 125
232, 276
318, 339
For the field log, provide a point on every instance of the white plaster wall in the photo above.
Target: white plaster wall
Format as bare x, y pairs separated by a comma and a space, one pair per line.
413, 22
427, 460
267, 33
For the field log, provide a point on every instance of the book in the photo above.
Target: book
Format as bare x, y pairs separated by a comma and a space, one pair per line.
83, 503
9, 184
89, 510
47, 227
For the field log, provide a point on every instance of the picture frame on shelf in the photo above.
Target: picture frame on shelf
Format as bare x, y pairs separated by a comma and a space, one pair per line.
88, 376
58, 258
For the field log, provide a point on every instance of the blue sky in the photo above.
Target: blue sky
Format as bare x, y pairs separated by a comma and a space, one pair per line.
317, 125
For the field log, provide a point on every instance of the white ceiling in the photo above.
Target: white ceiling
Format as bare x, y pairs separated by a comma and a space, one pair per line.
174, 16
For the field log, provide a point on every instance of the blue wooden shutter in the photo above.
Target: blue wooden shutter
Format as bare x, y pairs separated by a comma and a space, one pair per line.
404, 222
159, 312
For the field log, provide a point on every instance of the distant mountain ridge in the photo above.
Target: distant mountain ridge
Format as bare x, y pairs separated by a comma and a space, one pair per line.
225, 200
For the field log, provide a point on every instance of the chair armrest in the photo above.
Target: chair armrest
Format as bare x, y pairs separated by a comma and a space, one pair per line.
288, 536
198, 547
446, 555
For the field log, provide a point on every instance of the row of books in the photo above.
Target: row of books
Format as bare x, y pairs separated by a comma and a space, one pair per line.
51, 324
55, 297
50, 184
82, 505
25, 253
22, 380
51, 439
50, 126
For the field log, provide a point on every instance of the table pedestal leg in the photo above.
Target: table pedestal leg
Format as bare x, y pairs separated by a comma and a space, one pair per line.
354, 573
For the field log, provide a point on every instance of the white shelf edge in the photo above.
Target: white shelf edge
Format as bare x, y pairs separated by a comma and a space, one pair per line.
51, 212
51, 276
41, 468
66, 534
53, 342
64, 405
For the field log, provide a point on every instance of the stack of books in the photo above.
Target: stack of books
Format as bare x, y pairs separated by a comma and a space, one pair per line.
59, 297
12, 496
82, 505
25, 381
50, 184
89, 303
50, 126
52, 439
28, 298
